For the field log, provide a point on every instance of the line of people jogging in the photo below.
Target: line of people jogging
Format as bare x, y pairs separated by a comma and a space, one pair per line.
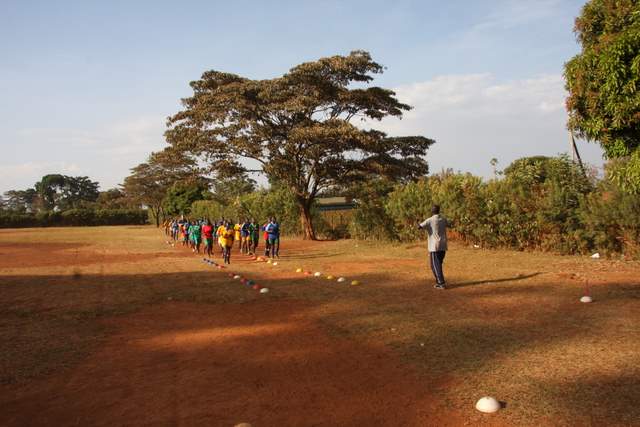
196, 233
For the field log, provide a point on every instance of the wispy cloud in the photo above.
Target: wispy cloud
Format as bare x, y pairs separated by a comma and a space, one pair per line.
512, 13
104, 154
474, 118
24, 175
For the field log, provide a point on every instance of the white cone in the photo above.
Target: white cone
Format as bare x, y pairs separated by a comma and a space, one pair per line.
341, 279
236, 276
488, 405
317, 274
264, 290
596, 255
586, 298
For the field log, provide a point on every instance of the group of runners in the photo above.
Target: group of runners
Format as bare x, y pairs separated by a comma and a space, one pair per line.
195, 233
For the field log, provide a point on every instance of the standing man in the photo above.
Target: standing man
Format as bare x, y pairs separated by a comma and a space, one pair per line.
436, 227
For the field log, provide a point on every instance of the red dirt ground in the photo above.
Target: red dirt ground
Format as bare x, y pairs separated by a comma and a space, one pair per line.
199, 365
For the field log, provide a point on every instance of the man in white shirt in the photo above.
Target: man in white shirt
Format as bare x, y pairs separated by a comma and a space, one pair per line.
436, 227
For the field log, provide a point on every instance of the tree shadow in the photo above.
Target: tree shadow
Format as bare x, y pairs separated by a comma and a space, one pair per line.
488, 281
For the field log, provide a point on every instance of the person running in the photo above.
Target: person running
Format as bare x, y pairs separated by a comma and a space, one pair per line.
265, 235
237, 234
273, 231
220, 233
175, 229
436, 227
196, 236
207, 235
185, 233
227, 242
254, 236
245, 236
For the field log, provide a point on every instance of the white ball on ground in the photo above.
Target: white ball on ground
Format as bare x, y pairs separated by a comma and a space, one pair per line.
264, 290
488, 405
586, 298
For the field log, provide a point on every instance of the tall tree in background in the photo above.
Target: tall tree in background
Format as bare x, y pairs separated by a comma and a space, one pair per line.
149, 182
61, 192
21, 200
297, 129
604, 79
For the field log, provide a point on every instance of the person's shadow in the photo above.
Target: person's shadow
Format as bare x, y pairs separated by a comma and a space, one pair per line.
505, 279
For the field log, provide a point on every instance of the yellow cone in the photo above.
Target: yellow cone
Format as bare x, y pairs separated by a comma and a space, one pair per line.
329, 277
298, 270
354, 283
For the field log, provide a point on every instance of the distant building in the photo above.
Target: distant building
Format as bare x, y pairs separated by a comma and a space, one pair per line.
325, 204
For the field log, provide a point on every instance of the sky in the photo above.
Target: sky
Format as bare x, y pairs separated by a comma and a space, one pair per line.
86, 86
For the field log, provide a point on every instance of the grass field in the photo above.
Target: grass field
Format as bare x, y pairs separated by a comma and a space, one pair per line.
112, 326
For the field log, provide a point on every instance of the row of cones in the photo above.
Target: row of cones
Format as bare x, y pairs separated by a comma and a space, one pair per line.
232, 275
328, 277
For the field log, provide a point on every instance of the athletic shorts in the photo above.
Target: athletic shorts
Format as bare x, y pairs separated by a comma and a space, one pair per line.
197, 240
274, 241
208, 242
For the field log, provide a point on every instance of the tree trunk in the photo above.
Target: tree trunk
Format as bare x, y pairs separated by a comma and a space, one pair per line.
156, 213
305, 220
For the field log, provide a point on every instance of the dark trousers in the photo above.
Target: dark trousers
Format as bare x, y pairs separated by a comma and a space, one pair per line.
436, 259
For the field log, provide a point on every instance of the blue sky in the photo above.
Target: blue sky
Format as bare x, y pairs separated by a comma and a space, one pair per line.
86, 86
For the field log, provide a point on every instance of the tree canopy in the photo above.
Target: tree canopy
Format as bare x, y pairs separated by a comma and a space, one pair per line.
603, 80
298, 129
149, 182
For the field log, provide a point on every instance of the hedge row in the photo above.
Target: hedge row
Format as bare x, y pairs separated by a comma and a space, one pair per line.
74, 217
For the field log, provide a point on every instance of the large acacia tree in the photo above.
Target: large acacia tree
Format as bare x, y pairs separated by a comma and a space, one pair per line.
604, 79
298, 129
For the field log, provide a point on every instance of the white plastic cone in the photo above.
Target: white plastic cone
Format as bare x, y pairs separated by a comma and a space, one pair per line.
488, 405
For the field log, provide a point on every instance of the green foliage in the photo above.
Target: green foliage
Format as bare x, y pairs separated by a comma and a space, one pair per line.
181, 196
61, 192
212, 210
113, 198
278, 202
21, 201
603, 80
611, 219
74, 217
625, 173
370, 219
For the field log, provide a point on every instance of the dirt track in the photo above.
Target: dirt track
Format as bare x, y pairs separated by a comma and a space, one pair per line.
112, 326
264, 363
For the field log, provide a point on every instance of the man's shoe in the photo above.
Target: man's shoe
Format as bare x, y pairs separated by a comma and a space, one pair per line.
439, 286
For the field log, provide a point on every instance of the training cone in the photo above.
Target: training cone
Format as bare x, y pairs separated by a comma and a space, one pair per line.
341, 279
317, 274
264, 290
275, 263
298, 270
307, 273
586, 298
354, 283
256, 287
488, 405
237, 276
329, 277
